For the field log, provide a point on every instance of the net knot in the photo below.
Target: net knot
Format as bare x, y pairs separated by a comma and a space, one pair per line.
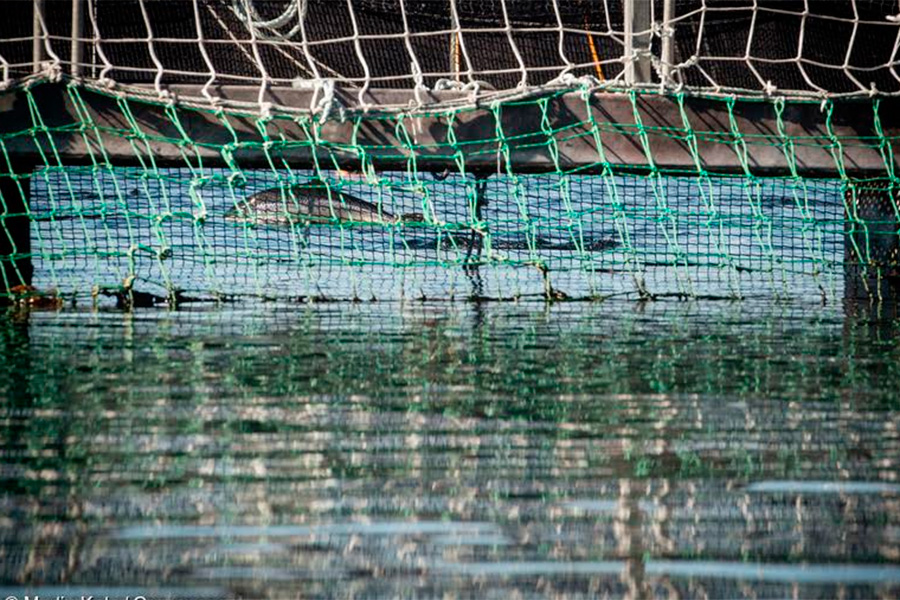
420, 86
106, 82
167, 96
568, 80
445, 84
325, 87
236, 179
51, 71
473, 87
662, 30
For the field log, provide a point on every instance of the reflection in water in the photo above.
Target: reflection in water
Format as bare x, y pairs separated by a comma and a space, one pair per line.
648, 450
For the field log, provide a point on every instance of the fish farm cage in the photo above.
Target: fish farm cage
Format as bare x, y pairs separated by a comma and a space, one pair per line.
163, 151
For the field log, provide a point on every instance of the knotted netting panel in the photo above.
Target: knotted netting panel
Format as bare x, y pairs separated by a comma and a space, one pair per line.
817, 48
369, 149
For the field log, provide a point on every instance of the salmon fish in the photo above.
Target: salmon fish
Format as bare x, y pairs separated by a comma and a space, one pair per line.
311, 202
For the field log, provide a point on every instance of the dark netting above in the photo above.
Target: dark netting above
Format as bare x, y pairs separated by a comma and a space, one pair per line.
751, 47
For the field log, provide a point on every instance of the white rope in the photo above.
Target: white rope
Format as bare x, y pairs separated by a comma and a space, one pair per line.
239, 45
414, 66
523, 79
160, 71
102, 78
847, 56
324, 100
203, 52
800, 43
561, 43
4, 68
363, 101
51, 70
246, 13
892, 61
292, 46
458, 33
264, 105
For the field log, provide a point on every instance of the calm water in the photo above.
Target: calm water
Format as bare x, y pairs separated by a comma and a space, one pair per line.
666, 450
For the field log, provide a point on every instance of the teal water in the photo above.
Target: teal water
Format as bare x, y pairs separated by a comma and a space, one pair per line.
616, 449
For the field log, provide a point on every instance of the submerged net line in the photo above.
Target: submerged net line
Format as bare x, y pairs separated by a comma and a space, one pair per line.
183, 230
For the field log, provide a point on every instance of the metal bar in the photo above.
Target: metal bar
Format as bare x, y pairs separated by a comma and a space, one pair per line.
668, 48
37, 37
77, 33
638, 17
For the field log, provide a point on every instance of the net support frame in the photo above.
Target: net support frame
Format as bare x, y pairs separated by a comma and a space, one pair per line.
543, 134
638, 20
37, 42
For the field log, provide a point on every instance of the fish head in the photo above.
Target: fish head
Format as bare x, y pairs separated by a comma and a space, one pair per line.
413, 217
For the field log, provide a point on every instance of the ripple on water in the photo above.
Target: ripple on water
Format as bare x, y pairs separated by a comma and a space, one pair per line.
478, 450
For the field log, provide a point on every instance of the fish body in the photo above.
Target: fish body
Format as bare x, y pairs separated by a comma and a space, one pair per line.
313, 202
309, 203
464, 241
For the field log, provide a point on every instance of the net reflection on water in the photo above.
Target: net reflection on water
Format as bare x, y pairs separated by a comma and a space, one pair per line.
384, 450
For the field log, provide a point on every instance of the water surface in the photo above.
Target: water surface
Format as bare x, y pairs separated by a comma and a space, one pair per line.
451, 450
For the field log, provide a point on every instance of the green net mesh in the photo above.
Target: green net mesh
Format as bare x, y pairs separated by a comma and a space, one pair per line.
383, 226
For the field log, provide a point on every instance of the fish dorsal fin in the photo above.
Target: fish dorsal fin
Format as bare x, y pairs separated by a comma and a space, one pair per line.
315, 187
